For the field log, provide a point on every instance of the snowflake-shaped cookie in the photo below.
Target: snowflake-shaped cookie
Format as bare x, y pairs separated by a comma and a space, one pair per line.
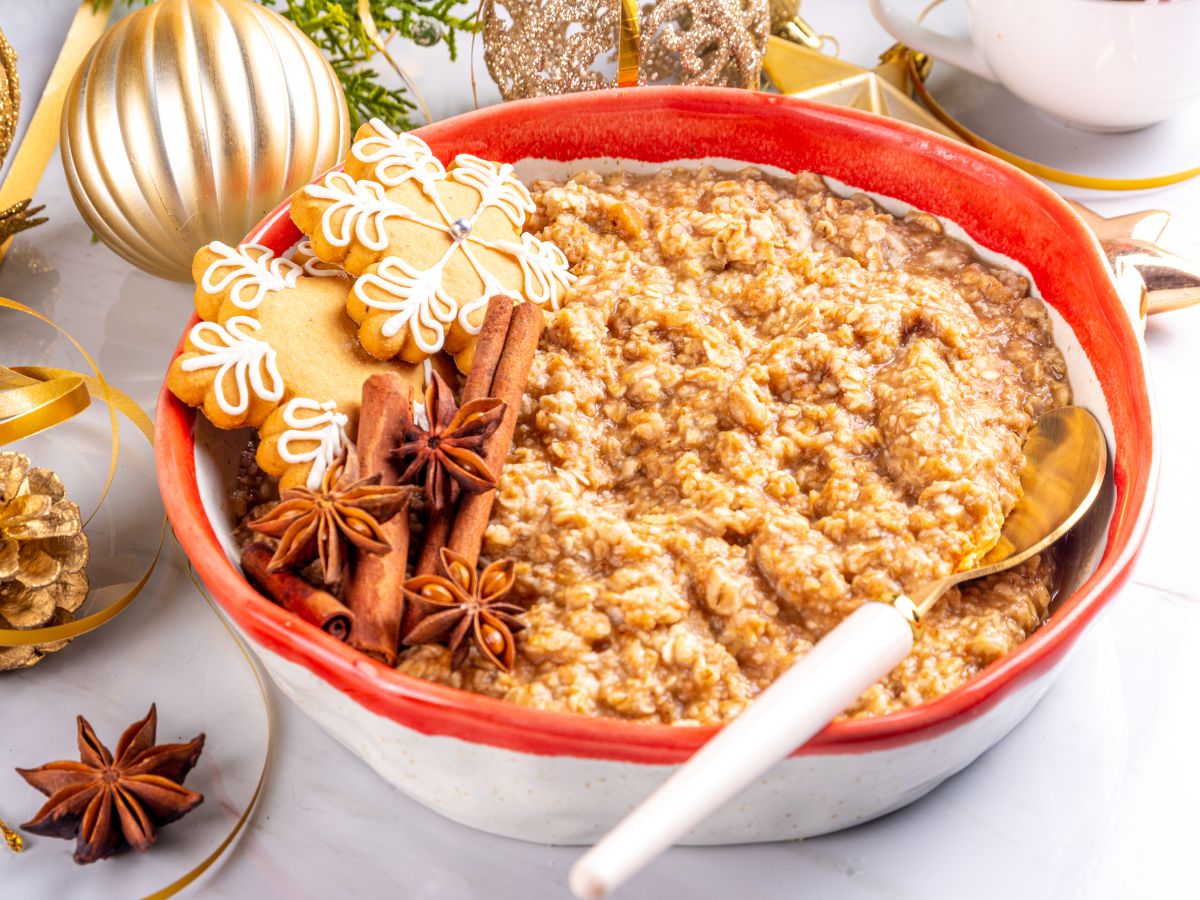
431, 244
276, 351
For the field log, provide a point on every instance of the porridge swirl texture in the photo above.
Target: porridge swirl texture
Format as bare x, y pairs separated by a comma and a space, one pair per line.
761, 406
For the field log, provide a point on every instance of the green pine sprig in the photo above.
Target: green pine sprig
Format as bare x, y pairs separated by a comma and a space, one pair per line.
334, 26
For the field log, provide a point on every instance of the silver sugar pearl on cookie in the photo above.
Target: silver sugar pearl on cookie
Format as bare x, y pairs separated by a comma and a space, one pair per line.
460, 229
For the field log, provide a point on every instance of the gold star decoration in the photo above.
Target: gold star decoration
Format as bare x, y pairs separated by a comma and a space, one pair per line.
1163, 280
797, 68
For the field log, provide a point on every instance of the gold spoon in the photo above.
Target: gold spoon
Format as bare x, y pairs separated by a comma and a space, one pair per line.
1065, 461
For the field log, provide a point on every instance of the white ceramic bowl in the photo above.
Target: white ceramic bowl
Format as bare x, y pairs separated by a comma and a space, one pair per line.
559, 778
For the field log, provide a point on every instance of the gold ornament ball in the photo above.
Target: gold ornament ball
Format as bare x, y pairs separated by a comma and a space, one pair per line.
10, 95
189, 121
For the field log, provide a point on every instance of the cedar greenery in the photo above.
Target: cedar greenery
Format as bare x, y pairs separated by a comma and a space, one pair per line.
334, 26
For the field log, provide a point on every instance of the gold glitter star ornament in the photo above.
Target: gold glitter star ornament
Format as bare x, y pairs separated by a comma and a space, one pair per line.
539, 47
804, 71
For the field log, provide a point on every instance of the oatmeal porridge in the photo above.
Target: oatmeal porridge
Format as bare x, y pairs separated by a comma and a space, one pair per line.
761, 406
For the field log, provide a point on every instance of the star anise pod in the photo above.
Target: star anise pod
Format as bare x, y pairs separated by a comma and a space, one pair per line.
461, 605
318, 524
114, 802
445, 457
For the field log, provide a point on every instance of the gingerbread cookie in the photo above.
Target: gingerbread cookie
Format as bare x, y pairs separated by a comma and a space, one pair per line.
280, 355
302, 255
235, 279
430, 244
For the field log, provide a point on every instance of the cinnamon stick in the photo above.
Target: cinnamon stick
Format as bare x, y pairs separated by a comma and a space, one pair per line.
512, 373
488, 348
373, 588
293, 593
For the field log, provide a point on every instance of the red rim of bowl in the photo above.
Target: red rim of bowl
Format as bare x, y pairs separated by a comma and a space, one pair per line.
879, 155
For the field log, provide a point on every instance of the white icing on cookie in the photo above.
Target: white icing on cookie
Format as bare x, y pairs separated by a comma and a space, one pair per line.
323, 425
303, 256
544, 270
418, 300
365, 210
247, 268
399, 158
491, 286
497, 185
232, 348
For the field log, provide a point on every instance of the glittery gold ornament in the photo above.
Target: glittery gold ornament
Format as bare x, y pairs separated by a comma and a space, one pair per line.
782, 12
43, 551
538, 47
190, 120
19, 216
10, 95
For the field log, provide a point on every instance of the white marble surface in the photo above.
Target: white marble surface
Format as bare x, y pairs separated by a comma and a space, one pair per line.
1093, 796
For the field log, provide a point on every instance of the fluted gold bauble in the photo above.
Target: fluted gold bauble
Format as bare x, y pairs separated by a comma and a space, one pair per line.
189, 120
43, 551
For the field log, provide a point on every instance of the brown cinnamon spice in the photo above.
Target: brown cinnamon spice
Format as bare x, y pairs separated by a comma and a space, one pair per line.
293, 593
373, 591
508, 385
488, 348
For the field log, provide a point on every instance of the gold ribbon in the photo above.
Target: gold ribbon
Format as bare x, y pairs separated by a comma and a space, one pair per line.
43, 397
29, 405
14, 841
180, 883
34, 398
629, 39
41, 137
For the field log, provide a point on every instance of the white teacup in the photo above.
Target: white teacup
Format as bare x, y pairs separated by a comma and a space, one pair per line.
1103, 65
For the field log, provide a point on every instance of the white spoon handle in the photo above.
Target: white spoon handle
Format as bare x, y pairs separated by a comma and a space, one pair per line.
867, 645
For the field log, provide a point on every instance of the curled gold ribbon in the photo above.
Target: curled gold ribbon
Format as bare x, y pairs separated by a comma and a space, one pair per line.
34, 398
43, 398
180, 883
29, 405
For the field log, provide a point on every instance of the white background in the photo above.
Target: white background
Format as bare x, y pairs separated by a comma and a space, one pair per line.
1095, 795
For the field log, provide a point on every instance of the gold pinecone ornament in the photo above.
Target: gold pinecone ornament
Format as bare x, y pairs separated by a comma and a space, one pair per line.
43, 552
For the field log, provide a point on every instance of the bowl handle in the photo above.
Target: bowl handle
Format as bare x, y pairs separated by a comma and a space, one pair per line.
1160, 281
